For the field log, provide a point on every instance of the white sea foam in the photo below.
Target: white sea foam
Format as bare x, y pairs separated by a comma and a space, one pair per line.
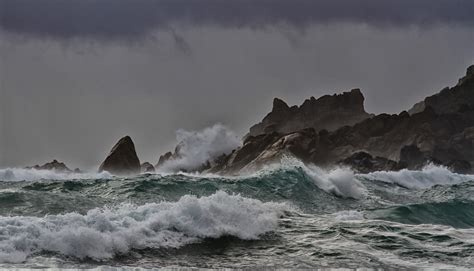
195, 148
338, 181
22, 174
348, 215
102, 233
417, 179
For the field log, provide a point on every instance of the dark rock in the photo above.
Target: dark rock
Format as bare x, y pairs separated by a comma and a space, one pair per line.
53, 165
450, 100
163, 158
252, 147
364, 163
328, 112
382, 136
122, 159
147, 168
430, 136
460, 166
411, 157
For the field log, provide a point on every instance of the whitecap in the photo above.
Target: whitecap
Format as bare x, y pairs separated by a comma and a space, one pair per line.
105, 232
429, 176
24, 174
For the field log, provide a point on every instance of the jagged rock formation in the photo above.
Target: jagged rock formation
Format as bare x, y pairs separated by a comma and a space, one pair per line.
169, 156
383, 136
122, 159
445, 137
328, 112
163, 158
147, 168
450, 100
53, 165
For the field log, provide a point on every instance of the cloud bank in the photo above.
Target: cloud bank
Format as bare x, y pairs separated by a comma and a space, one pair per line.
131, 19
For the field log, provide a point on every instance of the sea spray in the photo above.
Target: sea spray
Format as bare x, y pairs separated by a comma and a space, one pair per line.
196, 148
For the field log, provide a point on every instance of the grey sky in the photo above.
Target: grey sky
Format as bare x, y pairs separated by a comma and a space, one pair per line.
131, 18
73, 82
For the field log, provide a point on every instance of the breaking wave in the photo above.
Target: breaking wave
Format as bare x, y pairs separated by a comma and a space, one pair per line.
196, 148
418, 179
23, 174
103, 233
339, 181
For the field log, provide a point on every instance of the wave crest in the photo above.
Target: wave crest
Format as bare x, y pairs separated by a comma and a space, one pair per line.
429, 176
23, 174
103, 233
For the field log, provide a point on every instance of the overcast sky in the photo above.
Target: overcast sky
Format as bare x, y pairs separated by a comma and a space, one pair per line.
76, 75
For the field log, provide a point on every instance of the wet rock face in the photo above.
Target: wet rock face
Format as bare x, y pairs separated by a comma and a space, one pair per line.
363, 162
53, 165
411, 157
459, 166
122, 159
328, 112
147, 168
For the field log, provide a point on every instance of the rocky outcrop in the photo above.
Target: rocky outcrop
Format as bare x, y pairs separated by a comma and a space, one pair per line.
328, 112
441, 136
163, 158
54, 166
459, 166
363, 162
411, 157
384, 136
122, 159
450, 100
147, 168
254, 148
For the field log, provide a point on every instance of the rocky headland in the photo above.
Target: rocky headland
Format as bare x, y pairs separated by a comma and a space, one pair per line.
336, 130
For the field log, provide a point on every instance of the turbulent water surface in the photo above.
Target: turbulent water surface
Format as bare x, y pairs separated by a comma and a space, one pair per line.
284, 216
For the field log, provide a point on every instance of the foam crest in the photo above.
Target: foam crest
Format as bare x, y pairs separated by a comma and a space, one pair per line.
338, 181
418, 179
23, 174
103, 233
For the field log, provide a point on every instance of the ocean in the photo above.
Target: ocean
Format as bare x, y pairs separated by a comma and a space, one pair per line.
287, 215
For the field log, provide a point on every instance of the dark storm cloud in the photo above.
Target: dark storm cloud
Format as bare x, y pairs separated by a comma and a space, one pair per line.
123, 19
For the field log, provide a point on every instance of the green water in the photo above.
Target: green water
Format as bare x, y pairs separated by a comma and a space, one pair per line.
285, 217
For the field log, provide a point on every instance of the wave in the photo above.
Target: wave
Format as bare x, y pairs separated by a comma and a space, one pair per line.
23, 174
455, 213
103, 233
339, 181
418, 179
